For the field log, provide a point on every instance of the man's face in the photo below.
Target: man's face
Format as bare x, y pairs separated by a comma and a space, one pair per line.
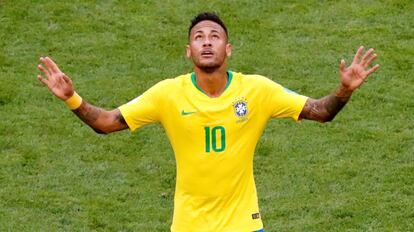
208, 46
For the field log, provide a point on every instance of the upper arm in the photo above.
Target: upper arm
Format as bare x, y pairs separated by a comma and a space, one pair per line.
145, 109
279, 102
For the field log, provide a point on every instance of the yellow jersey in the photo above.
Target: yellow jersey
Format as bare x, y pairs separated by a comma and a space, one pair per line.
214, 140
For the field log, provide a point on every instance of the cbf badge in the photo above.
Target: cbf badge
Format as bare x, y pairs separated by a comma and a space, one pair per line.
240, 109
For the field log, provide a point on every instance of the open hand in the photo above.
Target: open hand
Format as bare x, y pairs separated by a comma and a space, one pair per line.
57, 82
354, 75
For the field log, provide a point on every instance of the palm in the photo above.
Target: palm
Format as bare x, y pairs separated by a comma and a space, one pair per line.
58, 86
57, 82
353, 76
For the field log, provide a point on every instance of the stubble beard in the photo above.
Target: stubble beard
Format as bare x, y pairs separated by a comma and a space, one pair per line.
209, 67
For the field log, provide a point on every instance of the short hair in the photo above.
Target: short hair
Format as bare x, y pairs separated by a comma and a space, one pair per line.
210, 16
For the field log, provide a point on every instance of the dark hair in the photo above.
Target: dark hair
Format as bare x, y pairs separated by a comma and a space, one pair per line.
211, 16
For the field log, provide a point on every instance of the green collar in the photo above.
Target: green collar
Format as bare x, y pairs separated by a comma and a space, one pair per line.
229, 78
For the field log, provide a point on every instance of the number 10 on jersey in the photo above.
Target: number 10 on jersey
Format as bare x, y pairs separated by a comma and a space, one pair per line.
211, 135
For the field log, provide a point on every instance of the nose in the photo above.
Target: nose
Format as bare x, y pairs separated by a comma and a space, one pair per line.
207, 43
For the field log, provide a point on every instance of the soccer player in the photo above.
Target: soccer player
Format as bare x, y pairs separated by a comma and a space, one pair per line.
213, 118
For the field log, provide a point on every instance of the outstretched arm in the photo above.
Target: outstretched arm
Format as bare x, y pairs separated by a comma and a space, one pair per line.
100, 120
351, 78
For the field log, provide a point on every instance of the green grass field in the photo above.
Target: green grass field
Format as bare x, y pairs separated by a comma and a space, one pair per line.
353, 174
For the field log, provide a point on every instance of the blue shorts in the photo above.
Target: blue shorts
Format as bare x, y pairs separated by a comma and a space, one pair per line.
262, 230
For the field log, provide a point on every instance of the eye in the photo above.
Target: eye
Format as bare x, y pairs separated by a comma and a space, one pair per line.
197, 37
215, 36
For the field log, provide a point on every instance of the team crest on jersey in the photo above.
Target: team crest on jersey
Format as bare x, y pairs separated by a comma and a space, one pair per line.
240, 109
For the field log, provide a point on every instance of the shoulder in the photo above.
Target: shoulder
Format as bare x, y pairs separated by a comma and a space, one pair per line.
170, 84
255, 80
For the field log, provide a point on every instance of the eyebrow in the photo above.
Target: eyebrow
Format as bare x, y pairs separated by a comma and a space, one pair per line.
200, 31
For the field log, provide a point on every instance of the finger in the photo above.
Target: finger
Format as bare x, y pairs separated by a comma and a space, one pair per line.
44, 81
367, 56
46, 72
50, 64
372, 70
371, 59
342, 66
358, 54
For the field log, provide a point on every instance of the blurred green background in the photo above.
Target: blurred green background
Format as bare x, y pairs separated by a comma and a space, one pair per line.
353, 174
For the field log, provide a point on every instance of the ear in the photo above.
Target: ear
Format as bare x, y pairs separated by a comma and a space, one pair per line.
228, 49
188, 51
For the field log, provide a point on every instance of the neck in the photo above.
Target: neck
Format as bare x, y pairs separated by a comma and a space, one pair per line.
212, 83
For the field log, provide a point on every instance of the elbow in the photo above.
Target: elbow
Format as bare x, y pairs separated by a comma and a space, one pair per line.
326, 118
101, 131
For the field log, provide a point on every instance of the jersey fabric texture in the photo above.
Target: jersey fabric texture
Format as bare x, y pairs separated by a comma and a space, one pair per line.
214, 140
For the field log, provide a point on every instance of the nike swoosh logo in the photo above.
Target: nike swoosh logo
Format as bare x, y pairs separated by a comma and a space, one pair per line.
184, 113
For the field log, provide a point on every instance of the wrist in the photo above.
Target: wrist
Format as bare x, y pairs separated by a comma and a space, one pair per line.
74, 101
343, 91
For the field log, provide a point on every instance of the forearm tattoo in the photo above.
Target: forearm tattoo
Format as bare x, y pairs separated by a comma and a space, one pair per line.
100, 120
88, 113
324, 109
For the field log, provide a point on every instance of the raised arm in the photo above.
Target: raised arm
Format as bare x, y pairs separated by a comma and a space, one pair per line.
351, 78
100, 120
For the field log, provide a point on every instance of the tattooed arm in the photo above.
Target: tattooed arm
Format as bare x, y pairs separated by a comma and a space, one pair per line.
326, 108
60, 85
352, 77
100, 120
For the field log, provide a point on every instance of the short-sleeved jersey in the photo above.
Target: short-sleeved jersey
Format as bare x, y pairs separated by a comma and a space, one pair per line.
214, 141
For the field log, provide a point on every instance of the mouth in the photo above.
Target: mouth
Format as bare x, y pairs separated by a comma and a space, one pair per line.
207, 54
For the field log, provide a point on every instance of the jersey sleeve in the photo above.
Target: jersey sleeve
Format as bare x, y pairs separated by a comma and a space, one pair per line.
144, 109
282, 102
